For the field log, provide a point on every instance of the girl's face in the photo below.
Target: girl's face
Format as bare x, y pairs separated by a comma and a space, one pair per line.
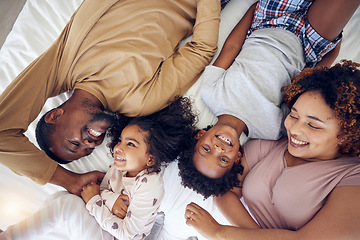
312, 128
131, 153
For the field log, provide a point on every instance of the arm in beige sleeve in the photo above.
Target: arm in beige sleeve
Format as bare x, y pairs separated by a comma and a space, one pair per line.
20, 104
181, 70
24, 98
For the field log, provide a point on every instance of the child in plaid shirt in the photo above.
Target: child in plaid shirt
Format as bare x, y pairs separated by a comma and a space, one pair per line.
292, 16
243, 88
284, 37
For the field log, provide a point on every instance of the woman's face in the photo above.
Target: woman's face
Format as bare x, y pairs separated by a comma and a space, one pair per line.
216, 151
131, 153
312, 128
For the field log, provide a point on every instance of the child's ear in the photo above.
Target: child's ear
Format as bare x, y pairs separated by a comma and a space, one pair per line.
238, 157
151, 161
199, 134
53, 115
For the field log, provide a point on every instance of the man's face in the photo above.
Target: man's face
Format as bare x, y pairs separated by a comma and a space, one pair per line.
78, 132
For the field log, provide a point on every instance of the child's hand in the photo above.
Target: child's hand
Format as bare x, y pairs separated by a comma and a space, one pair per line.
202, 221
120, 206
89, 191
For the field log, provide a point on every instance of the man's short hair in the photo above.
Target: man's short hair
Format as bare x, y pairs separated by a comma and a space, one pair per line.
43, 134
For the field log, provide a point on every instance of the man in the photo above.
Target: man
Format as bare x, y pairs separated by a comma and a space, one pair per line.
119, 56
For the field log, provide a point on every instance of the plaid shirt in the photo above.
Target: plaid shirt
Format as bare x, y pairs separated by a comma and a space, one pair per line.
291, 15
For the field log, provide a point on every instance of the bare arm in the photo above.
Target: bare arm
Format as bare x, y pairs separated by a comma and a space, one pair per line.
235, 40
232, 208
338, 219
234, 211
73, 182
328, 18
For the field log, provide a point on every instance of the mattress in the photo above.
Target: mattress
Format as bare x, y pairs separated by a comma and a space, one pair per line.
37, 26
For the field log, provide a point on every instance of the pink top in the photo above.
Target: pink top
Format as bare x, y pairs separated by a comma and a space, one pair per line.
145, 192
288, 197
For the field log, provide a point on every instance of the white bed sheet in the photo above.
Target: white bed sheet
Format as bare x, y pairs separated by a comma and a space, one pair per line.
37, 26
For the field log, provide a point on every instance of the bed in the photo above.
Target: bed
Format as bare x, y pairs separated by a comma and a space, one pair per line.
37, 26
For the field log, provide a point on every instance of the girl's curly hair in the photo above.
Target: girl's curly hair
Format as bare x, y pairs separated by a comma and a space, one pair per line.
167, 131
340, 87
195, 180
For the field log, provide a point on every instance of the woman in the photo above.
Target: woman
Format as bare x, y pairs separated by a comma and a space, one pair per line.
305, 186
245, 93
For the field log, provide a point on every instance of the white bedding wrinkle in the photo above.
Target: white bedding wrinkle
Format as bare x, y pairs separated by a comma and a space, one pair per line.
37, 26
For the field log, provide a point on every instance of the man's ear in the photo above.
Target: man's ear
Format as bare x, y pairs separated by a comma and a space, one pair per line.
199, 134
151, 161
53, 115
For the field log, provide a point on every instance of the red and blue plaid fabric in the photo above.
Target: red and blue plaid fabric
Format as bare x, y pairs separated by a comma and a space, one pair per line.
291, 15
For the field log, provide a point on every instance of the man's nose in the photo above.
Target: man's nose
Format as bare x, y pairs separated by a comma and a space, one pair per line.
90, 143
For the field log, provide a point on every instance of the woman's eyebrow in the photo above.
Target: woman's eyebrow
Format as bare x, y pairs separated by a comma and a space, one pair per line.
316, 119
312, 117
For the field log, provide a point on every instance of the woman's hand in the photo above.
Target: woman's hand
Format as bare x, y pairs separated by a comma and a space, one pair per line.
89, 191
202, 221
120, 206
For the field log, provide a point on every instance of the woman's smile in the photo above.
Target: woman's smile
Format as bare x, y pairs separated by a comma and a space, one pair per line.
297, 143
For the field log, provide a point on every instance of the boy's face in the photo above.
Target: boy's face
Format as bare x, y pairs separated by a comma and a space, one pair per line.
216, 151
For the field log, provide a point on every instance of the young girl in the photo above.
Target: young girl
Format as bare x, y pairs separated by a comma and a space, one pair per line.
243, 87
305, 186
126, 203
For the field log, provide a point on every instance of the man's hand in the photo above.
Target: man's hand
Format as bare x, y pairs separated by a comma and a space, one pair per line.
74, 182
89, 191
120, 206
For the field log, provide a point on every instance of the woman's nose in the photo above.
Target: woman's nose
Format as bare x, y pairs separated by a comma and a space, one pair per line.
296, 128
